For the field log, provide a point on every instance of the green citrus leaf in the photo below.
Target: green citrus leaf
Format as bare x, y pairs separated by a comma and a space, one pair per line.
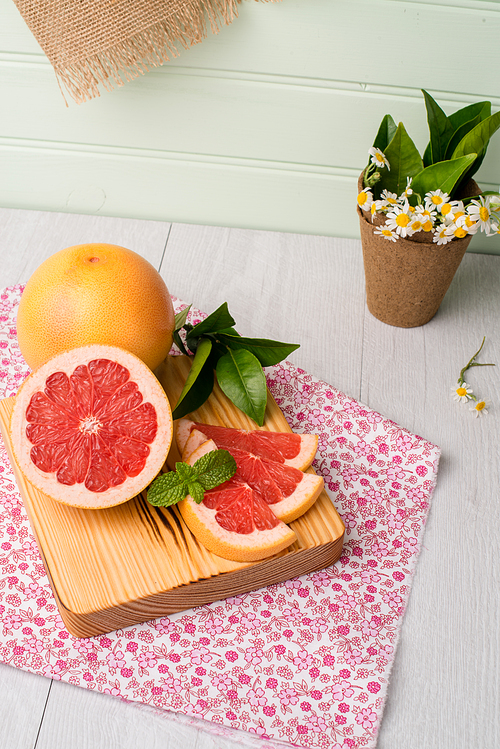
199, 383
470, 112
180, 318
218, 320
241, 378
441, 176
267, 352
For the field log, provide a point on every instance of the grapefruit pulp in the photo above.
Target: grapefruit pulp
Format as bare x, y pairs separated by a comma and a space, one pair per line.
289, 448
91, 427
233, 521
288, 491
95, 293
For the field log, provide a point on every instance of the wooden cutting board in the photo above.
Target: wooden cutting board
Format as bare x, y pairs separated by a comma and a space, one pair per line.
124, 565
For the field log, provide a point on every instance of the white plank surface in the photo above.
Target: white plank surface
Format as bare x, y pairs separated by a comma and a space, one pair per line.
445, 686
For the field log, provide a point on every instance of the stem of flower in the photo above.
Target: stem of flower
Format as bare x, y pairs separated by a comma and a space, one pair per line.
472, 363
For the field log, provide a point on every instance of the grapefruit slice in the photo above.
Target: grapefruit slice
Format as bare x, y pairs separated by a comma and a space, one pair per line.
233, 521
91, 427
295, 450
288, 491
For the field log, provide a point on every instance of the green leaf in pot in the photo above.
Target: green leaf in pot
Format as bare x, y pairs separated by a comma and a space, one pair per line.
241, 378
440, 131
199, 383
476, 141
267, 352
386, 133
441, 176
404, 159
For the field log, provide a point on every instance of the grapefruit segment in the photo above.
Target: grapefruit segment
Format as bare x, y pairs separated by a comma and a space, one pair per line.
288, 491
92, 427
289, 448
233, 521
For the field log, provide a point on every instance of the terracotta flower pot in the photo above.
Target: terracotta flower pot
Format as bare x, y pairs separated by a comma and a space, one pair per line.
406, 280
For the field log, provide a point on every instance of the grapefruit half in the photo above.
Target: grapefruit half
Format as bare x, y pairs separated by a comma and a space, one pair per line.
289, 448
91, 427
233, 521
288, 491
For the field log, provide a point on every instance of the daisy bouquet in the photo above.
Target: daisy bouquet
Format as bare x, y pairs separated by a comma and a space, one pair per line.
406, 193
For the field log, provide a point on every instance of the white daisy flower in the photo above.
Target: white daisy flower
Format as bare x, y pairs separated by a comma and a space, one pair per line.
399, 220
389, 197
461, 393
416, 223
378, 158
408, 191
426, 217
468, 222
384, 231
365, 199
457, 210
480, 408
479, 210
436, 198
441, 236
456, 231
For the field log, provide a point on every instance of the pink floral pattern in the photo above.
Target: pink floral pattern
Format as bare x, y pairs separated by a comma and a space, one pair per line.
306, 661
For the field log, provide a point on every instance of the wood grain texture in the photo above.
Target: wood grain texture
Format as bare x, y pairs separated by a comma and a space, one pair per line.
124, 565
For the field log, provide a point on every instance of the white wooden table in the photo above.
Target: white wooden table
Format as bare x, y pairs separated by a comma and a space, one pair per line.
445, 686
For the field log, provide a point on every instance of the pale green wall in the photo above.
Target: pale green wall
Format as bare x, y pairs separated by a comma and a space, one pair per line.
265, 125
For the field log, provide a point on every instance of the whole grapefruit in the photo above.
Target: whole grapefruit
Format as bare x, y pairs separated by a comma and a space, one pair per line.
95, 293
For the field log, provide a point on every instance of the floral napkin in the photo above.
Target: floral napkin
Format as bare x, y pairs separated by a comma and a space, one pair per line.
306, 661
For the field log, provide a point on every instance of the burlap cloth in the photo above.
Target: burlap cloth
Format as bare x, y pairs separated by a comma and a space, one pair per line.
109, 42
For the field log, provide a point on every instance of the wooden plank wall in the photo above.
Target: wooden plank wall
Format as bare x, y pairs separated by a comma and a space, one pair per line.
263, 126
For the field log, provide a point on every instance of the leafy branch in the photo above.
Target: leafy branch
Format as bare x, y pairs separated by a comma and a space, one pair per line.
215, 346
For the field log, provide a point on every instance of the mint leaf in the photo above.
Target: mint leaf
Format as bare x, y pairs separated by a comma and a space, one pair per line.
241, 378
214, 468
167, 489
209, 471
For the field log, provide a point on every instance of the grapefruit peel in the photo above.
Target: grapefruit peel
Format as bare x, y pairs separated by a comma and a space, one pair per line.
66, 418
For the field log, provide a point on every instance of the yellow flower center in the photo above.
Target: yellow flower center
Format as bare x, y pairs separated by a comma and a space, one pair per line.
461, 391
436, 199
373, 209
403, 219
460, 233
484, 213
480, 406
469, 222
458, 214
445, 209
387, 232
362, 198
379, 157
427, 225
416, 226
392, 201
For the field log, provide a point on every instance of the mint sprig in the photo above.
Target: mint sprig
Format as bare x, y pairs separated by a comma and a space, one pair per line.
237, 361
209, 471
